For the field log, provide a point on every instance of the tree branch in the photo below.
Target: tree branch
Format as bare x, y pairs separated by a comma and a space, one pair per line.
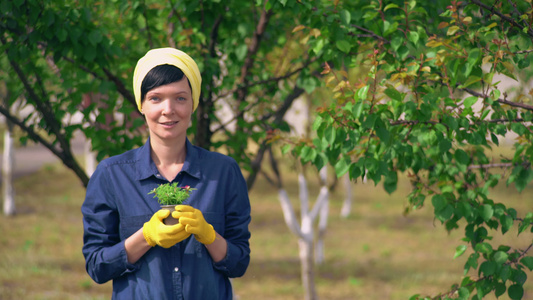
148, 34
272, 79
252, 51
454, 290
125, 92
502, 16
65, 152
278, 118
502, 101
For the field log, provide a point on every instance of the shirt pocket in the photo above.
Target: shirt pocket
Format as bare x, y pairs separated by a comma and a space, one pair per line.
130, 224
215, 219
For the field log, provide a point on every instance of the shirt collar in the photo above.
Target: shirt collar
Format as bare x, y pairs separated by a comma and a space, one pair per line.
146, 166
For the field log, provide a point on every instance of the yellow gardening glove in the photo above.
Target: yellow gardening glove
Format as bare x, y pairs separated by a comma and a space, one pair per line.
194, 223
157, 233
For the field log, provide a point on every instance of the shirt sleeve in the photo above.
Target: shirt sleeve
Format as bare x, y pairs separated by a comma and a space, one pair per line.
105, 254
236, 232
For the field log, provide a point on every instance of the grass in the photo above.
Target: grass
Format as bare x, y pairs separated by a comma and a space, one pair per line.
376, 253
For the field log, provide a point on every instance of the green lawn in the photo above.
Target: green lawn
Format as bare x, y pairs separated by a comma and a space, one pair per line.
377, 253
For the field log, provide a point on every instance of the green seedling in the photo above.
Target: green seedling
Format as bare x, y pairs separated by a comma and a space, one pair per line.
171, 193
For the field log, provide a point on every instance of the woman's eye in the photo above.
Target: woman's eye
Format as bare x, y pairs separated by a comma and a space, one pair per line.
182, 99
154, 99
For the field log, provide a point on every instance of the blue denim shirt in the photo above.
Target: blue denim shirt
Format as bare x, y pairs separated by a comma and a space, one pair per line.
117, 204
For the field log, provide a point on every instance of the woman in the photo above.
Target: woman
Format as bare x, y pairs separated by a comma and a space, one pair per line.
124, 237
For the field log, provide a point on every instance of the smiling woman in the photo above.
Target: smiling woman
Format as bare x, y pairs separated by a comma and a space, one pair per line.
125, 239
167, 109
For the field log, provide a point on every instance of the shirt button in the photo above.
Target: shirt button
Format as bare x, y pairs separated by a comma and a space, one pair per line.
176, 269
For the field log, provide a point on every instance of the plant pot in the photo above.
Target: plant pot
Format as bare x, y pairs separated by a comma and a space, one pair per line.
169, 220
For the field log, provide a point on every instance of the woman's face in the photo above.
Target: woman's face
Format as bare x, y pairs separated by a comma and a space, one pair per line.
168, 110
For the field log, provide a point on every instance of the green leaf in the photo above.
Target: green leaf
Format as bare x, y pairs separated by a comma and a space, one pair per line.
393, 94
500, 257
485, 248
330, 134
240, 51
95, 37
391, 182
507, 222
362, 93
444, 145
390, 6
528, 262
89, 54
308, 84
344, 46
320, 160
470, 101
445, 214
396, 42
464, 293
345, 17
518, 276
357, 109
519, 128
439, 202
499, 289
505, 273
285, 149
342, 166
382, 132
487, 268
516, 291
318, 122
355, 172
308, 153
62, 34
413, 37
486, 212
462, 157
459, 251
471, 80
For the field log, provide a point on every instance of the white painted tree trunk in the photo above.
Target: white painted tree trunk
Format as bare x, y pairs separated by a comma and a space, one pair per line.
90, 158
322, 218
305, 230
7, 171
308, 268
347, 204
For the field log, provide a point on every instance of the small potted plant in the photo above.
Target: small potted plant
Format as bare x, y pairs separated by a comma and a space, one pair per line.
169, 195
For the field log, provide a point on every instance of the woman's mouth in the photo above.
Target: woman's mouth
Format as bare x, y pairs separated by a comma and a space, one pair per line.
169, 123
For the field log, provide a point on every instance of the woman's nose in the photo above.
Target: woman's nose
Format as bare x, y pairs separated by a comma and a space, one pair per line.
167, 107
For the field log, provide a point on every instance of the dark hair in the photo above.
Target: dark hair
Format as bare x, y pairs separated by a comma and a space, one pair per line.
161, 75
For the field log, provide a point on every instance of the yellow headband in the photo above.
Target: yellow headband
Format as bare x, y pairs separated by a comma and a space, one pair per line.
170, 56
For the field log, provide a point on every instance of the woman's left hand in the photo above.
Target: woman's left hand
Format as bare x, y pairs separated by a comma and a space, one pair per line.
195, 223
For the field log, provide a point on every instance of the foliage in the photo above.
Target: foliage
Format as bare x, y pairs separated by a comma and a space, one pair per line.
416, 88
171, 193
428, 100
71, 64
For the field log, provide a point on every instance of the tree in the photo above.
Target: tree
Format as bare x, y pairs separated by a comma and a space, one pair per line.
69, 59
414, 92
7, 171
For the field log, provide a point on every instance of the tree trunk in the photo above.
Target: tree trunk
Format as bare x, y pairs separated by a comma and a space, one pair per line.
347, 205
7, 171
322, 216
322, 226
90, 158
308, 270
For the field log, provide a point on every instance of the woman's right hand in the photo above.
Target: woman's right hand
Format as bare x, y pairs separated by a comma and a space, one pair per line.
157, 233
